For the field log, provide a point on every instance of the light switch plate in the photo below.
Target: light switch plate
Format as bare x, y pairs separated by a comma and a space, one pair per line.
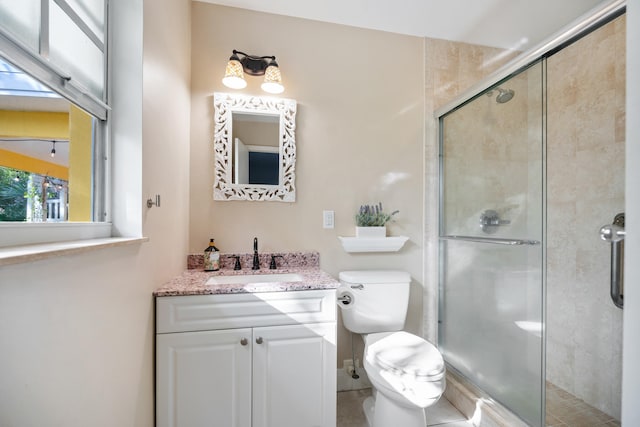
328, 219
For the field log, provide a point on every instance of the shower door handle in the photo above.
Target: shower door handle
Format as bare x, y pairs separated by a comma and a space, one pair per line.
493, 240
615, 234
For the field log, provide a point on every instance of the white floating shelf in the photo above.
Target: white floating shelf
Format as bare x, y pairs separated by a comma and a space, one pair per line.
373, 244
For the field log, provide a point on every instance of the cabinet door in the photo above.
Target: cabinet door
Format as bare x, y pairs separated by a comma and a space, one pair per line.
294, 376
203, 379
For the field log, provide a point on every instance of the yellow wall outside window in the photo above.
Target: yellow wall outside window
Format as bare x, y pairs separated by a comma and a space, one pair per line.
80, 164
34, 124
13, 160
76, 127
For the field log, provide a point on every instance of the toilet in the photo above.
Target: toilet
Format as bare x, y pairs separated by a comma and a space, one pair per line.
406, 371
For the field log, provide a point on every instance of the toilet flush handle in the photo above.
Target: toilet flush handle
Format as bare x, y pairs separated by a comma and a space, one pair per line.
360, 287
344, 299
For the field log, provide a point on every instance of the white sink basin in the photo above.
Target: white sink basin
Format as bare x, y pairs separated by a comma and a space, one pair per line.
254, 278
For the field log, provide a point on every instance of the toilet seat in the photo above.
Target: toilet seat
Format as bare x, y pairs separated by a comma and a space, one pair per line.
405, 368
406, 355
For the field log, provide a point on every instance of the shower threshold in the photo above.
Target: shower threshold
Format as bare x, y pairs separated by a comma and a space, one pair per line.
479, 408
562, 408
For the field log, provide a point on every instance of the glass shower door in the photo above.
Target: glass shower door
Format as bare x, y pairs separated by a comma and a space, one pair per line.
491, 230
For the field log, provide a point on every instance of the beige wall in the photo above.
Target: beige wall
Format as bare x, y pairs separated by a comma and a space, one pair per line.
360, 126
77, 332
585, 181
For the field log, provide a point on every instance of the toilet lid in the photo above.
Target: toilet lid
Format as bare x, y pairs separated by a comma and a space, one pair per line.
405, 354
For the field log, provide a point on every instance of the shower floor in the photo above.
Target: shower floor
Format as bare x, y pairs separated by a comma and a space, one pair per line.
566, 410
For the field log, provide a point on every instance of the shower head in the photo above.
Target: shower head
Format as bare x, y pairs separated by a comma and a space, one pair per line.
504, 95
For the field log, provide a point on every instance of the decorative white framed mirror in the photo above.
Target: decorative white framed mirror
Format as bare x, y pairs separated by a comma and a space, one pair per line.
255, 148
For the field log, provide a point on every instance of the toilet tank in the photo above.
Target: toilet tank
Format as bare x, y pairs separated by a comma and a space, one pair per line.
378, 300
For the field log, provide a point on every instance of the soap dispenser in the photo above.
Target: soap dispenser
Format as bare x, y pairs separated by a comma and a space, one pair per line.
211, 257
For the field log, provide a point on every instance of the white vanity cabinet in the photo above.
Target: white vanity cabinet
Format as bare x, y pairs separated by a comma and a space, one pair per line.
246, 360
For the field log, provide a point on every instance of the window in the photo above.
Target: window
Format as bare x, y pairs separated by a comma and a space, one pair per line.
53, 115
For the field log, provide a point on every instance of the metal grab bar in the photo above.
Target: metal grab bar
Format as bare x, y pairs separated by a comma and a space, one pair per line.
493, 240
615, 234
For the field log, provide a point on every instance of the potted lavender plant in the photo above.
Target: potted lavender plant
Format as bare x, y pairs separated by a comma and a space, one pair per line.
371, 221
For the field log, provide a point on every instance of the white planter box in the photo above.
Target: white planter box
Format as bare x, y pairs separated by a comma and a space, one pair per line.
371, 232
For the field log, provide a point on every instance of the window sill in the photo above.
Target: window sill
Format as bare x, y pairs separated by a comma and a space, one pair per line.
29, 253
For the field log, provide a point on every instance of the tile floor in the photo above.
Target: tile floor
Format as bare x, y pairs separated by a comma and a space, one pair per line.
563, 410
350, 412
566, 410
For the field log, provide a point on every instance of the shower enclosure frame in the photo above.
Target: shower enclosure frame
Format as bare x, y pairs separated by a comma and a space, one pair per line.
567, 35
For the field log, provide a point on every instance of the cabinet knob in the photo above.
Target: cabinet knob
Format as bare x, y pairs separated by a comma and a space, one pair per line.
259, 340
244, 341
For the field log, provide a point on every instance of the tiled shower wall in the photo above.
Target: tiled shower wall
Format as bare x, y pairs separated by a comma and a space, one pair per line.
585, 184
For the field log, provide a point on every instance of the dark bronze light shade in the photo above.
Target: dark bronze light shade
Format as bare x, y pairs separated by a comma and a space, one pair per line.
241, 63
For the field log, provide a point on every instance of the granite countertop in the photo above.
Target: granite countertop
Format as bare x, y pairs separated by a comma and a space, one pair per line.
192, 282
306, 264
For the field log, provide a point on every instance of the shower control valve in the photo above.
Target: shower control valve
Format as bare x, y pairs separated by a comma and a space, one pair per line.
490, 221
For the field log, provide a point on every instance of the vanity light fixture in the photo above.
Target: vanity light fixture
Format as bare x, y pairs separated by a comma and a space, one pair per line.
240, 63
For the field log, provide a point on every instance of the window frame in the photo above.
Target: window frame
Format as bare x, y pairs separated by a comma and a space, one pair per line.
37, 65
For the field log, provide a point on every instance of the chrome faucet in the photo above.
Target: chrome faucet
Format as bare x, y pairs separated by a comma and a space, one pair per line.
256, 258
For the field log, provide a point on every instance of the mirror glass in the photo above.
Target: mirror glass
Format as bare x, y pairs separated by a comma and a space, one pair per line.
255, 150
